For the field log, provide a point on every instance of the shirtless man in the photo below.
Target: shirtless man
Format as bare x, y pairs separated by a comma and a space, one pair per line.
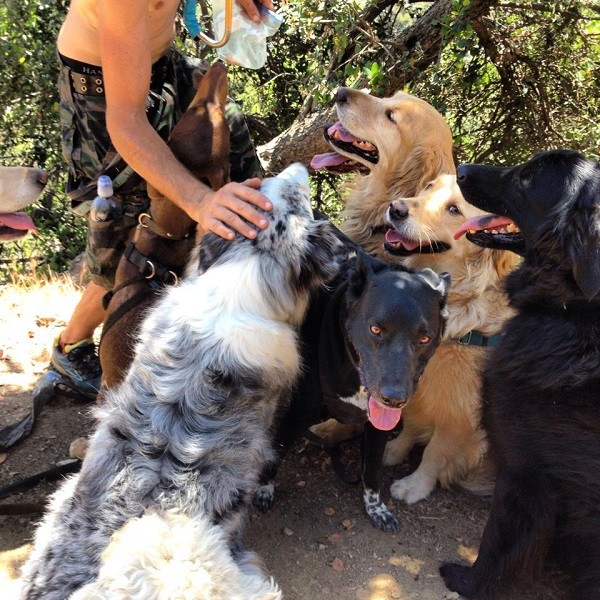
115, 56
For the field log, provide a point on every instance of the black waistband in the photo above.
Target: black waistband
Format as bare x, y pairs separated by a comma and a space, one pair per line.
80, 67
90, 80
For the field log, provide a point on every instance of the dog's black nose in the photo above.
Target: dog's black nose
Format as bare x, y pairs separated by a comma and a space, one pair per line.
395, 399
398, 210
462, 172
341, 95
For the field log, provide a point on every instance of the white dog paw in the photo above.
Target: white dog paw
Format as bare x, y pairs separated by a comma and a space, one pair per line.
378, 512
411, 489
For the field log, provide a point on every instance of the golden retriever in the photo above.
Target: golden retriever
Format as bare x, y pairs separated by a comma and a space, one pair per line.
444, 412
407, 208
409, 145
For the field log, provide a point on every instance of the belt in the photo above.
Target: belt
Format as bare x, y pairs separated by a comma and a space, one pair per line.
88, 79
89, 85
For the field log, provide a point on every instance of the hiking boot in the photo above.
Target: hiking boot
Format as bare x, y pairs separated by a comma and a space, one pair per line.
80, 363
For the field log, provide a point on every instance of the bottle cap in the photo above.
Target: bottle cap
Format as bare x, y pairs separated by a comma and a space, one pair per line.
105, 186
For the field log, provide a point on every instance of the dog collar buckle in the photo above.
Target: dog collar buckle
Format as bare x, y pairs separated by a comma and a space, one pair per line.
465, 340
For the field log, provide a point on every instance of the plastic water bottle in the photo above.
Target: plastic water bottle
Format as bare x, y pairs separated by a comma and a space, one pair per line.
247, 45
105, 207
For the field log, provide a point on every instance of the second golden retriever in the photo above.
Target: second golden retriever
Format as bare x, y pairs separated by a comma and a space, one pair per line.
444, 413
407, 208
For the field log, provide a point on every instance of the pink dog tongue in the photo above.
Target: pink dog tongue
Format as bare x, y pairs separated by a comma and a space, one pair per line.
393, 237
333, 159
343, 134
18, 220
482, 222
381, 417
329, 159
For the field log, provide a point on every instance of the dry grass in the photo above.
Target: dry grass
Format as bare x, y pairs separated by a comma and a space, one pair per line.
33, 310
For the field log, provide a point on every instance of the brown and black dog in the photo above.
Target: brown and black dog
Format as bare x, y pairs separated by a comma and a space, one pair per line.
165, 236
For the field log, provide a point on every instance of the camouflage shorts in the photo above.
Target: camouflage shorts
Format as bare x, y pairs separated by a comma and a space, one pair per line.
88, 151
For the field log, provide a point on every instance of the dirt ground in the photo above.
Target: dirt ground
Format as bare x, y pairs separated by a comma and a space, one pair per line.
317, 541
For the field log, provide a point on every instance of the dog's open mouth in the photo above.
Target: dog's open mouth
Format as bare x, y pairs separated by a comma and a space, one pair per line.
349, 146
381, 416
492, 231
14, 226
400, 245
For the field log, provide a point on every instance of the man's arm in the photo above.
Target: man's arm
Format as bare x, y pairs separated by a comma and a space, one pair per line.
126, 65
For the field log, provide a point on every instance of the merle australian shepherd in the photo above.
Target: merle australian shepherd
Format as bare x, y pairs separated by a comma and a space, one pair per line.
541, 384
186, 434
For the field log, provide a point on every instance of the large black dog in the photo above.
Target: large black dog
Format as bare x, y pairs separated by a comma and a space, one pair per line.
366, 340
541, 384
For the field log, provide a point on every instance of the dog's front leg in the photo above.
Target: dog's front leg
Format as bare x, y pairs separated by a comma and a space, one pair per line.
443, 453
284, 431
373, 447
515, 540
264, 496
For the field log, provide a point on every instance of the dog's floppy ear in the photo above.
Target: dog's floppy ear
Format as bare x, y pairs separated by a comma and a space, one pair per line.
213, 86
504, 261
423, 165
585, 252
582, 240
211, 248
325, 252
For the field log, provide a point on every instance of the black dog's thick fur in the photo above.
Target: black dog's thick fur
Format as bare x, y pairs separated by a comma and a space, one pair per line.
541, 385
345, 363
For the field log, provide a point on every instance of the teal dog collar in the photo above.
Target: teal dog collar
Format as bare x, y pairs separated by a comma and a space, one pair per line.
476, 338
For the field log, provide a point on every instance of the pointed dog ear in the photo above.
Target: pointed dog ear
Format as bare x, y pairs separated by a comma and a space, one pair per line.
213, 86
440, 283
584, 245
360, 274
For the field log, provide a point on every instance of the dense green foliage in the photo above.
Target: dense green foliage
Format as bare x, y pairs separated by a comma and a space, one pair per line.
29, 132
523, 78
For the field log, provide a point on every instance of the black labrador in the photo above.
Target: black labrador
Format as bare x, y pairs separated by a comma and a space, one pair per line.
541, 384
366, 341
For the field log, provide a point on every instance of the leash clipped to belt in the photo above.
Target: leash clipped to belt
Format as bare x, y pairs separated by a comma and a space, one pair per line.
193, 26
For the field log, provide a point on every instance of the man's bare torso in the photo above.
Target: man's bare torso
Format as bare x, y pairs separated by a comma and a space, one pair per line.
78, 37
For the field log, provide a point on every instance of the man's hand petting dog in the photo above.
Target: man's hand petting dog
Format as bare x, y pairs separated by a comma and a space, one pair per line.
230, 208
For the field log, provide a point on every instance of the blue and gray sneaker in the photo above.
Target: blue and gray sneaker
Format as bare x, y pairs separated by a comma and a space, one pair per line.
80, 363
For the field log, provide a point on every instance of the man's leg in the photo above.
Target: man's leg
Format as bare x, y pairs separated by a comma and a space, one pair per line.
74, 353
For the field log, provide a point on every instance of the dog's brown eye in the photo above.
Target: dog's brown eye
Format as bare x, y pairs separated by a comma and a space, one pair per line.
424, 339
453, 209
375, 330
390, 115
